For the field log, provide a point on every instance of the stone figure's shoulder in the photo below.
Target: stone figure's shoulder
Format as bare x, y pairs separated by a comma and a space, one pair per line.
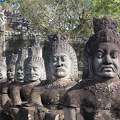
84, 84
38, 89
78, 93
16, 84
3, 85
73, 97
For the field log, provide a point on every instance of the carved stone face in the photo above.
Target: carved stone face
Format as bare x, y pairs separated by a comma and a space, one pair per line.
61, 65
20, 73
10, 74
32, 72
106, 63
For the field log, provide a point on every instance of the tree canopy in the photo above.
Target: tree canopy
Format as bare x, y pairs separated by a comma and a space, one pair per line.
69, 16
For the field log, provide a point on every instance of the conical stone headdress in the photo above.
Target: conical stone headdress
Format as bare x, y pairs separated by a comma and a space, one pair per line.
35, 57
58, 43
22, 55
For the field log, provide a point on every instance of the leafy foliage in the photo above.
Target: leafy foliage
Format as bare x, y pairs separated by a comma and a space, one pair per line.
69, 16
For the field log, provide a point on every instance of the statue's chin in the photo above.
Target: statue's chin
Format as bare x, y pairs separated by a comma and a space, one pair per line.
33, 80
20, 78
60, 75
107, 75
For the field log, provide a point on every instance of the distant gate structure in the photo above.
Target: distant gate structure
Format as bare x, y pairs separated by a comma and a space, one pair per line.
16, 31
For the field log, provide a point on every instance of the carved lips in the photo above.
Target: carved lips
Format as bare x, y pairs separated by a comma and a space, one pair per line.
108, 68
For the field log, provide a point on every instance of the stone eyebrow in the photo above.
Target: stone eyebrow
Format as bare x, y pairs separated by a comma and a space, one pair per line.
115, 50
35, 66
64, 55
100, 50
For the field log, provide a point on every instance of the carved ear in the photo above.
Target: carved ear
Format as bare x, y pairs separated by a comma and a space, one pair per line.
90, 67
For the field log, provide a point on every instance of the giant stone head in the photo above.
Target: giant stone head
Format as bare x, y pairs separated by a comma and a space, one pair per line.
19, 67
103, 49
62, 58
34, 69
10, 62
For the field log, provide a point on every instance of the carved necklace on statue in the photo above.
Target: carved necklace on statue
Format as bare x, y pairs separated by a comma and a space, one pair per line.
61, 83
32, 83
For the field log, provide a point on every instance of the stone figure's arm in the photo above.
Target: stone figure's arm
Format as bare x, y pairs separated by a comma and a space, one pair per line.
5, 100
35, 100
35, 96
15, 95
72, 106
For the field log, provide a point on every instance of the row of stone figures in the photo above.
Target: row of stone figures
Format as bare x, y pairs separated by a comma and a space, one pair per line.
46, 86
52, 69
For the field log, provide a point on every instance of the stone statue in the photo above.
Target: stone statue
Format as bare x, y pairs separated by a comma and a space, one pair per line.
34, 73
34, 68
19, 67
11, 59
98, 98
5, 85
62, 74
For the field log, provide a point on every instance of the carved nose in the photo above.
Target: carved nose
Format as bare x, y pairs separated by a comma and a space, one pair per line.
60, 65
32, 71
59, 62
107, 59
19, 71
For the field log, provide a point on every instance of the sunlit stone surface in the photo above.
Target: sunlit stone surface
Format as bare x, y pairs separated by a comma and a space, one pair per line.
62, 74
97, 98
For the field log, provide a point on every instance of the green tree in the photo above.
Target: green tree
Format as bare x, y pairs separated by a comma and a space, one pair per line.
69, 16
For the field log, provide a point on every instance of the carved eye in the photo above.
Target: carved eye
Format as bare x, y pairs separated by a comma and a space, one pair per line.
113, 54
35, 68
63, 58
54, 59
99, 54
10, 70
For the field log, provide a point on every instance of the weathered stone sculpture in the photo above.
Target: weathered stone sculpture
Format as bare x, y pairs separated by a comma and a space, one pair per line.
11, 59
5, 86
98, 98
19, 67
34, 68
62, 75
34, 73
